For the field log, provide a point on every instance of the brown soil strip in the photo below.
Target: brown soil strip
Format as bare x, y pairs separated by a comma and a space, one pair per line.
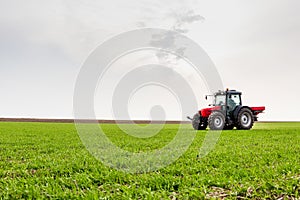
89, 121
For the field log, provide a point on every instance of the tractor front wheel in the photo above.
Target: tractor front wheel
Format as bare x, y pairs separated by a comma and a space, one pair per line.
245, 119
216, 121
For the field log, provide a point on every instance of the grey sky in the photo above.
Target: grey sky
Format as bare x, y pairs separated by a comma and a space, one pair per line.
254, 44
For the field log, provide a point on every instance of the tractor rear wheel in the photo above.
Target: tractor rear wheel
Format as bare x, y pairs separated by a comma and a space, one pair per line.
245, 119
197, 123
216, 121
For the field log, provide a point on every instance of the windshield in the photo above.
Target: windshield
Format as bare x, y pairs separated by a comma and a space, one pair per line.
220, 100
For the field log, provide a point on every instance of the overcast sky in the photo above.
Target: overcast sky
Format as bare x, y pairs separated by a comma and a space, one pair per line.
255, 46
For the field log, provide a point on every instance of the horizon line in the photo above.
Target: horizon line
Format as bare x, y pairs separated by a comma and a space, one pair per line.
106, 121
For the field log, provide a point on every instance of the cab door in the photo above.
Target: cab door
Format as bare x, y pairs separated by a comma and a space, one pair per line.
233, 100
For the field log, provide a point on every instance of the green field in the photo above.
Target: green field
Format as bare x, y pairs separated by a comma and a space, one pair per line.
48, 160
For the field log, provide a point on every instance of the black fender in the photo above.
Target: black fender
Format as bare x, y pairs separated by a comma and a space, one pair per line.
237, 110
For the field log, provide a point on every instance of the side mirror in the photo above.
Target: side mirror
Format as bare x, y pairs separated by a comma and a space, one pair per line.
205, 97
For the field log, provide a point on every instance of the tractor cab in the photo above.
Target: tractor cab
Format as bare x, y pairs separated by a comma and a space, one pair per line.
228, 100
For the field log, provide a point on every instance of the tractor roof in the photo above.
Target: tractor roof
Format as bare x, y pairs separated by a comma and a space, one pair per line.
227, 92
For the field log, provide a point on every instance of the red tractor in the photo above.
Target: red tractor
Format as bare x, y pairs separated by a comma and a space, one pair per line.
227, 112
